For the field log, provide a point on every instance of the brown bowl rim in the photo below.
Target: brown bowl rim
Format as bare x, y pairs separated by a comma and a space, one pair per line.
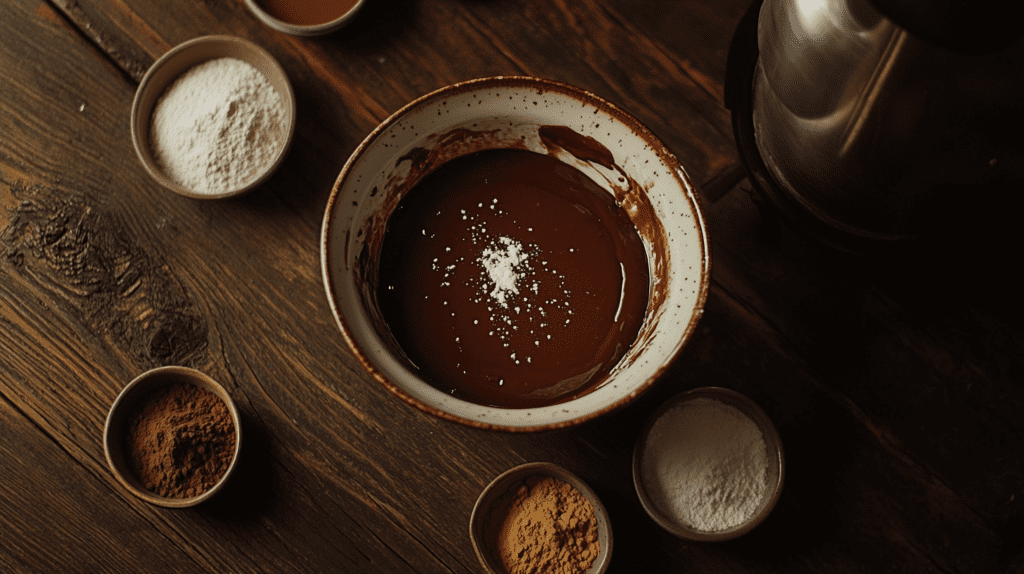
128, 398
752, 410
500, 485
146, 85
597, 102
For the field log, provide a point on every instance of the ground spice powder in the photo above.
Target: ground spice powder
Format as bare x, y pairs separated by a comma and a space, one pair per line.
180, 440
548, 527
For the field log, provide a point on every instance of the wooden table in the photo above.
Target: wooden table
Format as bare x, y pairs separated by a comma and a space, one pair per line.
896, 383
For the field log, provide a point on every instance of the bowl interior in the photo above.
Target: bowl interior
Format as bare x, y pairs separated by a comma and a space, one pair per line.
573, 126
775, 460
484, 517
126, 403
177, 61
303, 29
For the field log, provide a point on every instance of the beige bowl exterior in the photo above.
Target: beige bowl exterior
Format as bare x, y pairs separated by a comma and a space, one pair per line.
510, 112
776, 465
304, 30
504, 485
124, 405
184, 57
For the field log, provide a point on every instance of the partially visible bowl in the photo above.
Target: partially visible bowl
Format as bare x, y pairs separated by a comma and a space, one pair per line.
774, 476
603, 142
125, 406
483, 522
179, 60
310, 26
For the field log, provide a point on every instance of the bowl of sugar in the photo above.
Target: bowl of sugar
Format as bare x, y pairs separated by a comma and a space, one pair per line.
709, 465
213, 117
514, 254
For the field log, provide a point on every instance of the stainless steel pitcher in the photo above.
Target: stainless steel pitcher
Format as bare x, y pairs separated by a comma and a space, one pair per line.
882, 131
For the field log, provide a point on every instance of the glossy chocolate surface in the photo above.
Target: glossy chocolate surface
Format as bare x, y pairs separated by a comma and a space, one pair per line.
510, 278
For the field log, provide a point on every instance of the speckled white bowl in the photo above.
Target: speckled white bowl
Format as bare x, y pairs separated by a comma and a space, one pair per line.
576, 127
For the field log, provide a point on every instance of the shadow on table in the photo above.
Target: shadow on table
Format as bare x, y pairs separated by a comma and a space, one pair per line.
376, 23
253, 486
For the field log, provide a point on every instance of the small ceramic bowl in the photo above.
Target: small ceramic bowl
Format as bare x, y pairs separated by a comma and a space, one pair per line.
123, 407
184, 57
775, 469
575, 127
482, 522
318, 29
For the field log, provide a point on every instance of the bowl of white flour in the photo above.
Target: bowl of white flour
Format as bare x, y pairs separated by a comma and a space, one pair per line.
709, 465
213, 117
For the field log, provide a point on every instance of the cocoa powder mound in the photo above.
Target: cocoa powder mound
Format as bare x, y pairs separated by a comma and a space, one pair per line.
180, 440
548, 527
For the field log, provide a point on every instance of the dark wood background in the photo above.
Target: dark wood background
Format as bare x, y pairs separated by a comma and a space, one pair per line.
896, 382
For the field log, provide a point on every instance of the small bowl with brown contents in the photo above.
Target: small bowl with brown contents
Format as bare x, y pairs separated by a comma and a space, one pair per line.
539, 517
172, 437
305, 17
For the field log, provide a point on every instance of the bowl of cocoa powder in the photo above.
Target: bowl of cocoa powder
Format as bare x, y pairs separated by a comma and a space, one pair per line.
172, 437
539, 517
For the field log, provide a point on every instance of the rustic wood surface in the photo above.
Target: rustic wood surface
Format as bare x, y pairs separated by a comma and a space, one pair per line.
896, 383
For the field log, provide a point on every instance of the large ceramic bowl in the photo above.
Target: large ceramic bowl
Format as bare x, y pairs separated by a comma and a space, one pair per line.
579, 129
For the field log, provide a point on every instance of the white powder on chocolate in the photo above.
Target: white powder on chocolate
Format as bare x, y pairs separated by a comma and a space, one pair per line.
217, 126
501, 261
706, 465
509, 284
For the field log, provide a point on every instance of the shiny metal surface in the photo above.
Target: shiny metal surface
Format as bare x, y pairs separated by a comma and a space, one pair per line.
874, 131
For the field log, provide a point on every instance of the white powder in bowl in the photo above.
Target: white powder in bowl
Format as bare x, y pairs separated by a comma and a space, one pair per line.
502, 262
706, 465
217, 127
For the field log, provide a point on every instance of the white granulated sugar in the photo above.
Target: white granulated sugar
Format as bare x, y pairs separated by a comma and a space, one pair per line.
706, 465
501, 261
217, 126
508, 283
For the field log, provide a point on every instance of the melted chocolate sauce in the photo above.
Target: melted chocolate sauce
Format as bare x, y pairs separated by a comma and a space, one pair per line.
509, 278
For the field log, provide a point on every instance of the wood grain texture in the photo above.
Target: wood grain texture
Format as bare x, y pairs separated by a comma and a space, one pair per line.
894, 384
